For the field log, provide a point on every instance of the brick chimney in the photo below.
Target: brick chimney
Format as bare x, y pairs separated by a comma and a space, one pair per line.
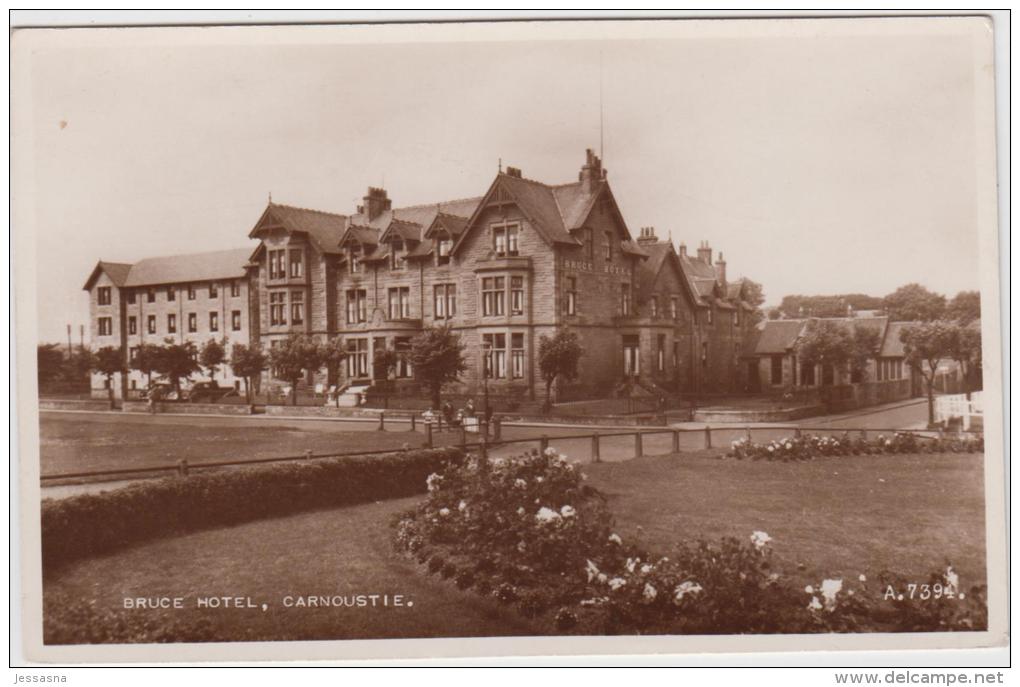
592, 173
683, 249
513, 172
647, 235
705, 253
720, 270
376, 203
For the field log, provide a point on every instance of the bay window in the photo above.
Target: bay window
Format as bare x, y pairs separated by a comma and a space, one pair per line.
277, 308
444, 303
493, 296
494, 346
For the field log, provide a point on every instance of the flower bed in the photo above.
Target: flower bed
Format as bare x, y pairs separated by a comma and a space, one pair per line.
809, 446
529, 531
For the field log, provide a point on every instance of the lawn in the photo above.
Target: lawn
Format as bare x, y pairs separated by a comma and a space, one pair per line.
345, 551
838, 516
80, 443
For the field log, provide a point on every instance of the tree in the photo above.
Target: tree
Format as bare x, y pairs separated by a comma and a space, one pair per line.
754, 294
925, 344
965, 307
247, 362
50, 362
294, 356
78, 366
333, 355
177, 361
838, 305
437, 356
963, 344
386, 359
914, 303
146, 360
827, 342
557, 359
109, 361
212, 355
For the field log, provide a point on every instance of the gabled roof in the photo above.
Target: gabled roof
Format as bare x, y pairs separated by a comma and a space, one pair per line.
892, 346
454, 225
196, 267
647, 271
406, 231
324, 229
422, 215
116, 271
778, 336
538, 202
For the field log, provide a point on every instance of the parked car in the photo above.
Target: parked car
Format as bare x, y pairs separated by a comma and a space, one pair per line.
209, 392
160, 391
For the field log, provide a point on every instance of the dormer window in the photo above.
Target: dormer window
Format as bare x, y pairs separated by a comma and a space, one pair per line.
354, 258
297, 263
277, 266
505, 240
443, 247
397, 255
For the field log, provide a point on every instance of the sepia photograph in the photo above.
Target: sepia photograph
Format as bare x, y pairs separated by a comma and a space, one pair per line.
680, 333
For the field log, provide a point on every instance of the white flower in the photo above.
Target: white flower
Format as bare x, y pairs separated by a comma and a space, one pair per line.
809, 589
568, 511
830, 588
789, 447
462, 506
760, 539
434, 481
685, 588
540, 479
551, 452
862, 578
616, 583
603, 578
520, 511
592, 571
520, 484
815, 604
444, 511
547, 515
615, 538
649, 592
521, 546
631, 564
645, 569
771, 449
774, 577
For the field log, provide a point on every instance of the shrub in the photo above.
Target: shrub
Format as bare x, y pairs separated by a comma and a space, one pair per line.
93, 524
810, 446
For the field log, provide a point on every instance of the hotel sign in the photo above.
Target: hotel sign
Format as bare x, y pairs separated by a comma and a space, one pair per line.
582, 266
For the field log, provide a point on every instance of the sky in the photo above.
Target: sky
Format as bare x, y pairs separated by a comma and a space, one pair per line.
821, 162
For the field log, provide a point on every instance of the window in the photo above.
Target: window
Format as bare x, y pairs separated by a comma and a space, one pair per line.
654, 306
571, 304
589, 244
192, 322
105, 326
357, 358
494, 346
171, 294
397, 255
214, 321
235, 288
710, 316
493, 296
354, 258
674, 307
150, 295
132, 324
505, 239
297, 263
625, 299
356, 306
297, 307
277, 269
609, 246
736, 316
191, 292
402, 345
150, 324
444, 303
132, 354
130, 293
631, 356
171, 323
777, 370
214, 290
443, 247
277, 308
516, 295
235, 320
660, 353
103, 294
704, 354
399, 302
517, 356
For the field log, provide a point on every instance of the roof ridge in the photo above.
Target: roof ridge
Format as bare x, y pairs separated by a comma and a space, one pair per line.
304, 209
189, 255
438, 204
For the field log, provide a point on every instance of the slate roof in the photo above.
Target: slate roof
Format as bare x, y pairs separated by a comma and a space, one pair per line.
648, 270
539, 202
778, 336
117, 271
892, 347
323, 228
196, 267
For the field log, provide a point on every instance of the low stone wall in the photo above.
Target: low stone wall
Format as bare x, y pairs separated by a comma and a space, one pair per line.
68, 404
188, 408
759, 415
649, 420
332, 412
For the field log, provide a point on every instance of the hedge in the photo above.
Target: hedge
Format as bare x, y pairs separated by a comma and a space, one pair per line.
94, 524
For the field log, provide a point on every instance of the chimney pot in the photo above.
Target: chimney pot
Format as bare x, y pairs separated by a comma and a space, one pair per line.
591, 173
376, 202
705, 253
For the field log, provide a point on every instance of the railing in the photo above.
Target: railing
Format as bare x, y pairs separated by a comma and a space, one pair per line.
958, 405
624, 444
